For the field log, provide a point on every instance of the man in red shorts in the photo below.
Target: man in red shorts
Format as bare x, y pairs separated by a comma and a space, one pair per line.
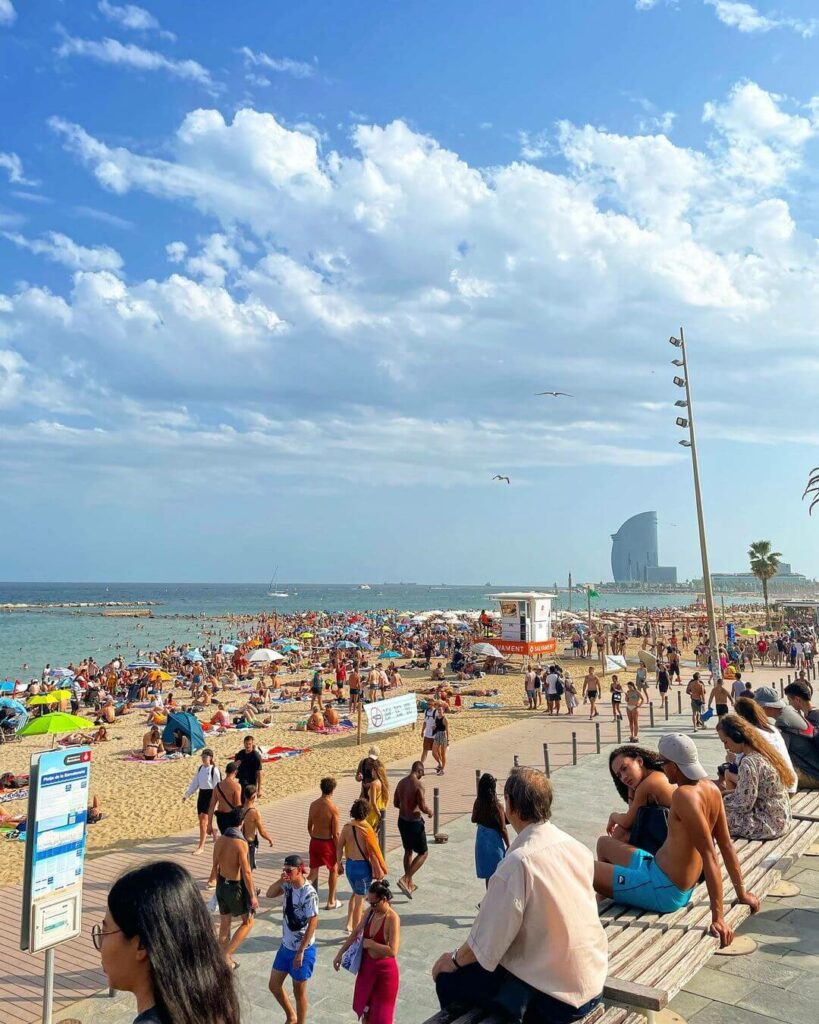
323, 827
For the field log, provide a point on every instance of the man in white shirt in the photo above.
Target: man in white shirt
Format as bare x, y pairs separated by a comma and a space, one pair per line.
537, 948
529, 686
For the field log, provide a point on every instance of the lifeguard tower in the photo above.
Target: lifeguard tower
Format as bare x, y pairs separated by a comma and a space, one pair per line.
526, 624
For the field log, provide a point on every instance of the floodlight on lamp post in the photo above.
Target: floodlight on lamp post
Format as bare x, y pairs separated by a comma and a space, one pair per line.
691, 442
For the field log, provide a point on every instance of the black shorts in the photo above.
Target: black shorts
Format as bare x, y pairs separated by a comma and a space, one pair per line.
232, 897
203, 801
591, 694
227, 819
722, 709
413, 835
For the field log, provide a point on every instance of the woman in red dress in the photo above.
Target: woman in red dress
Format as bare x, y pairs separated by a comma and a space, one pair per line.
376, 984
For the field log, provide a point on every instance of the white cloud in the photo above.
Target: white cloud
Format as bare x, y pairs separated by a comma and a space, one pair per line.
8, 14
340, 311
129, 16
61, 249
112, 51
285, 65
534, 145
13, 166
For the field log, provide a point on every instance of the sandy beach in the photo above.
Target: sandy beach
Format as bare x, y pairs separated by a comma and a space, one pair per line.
141, 800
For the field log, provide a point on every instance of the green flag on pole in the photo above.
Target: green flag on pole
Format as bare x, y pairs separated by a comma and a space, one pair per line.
592, 592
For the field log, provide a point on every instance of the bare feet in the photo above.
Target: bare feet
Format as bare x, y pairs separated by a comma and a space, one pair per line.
199, 849
332, 906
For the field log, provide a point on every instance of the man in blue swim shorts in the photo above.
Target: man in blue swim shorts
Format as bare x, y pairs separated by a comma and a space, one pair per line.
296, 955
664, 882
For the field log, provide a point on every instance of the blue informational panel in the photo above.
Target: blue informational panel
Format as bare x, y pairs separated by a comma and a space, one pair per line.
731, 630
55, 847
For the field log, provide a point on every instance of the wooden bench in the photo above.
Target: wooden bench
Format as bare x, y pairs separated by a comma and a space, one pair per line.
652, 956
599, 1015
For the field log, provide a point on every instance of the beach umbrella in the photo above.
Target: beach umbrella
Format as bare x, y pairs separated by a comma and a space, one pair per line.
54, 724
228, 648
389, 654
61, 673
289, 648
462, 625
142, 664
364, 646
158, 675
747, 631
486, 651
263, 655
344, 645
50, 698
439, 629
306, 635
386, 629
8, 686
20, 713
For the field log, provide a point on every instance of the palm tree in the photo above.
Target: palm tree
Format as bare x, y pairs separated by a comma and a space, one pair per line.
764, 565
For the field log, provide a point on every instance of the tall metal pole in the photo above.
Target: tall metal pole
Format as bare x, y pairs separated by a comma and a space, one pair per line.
706, 572
570, 591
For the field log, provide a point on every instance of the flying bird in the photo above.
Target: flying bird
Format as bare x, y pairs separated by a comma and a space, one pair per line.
499, 477
555, 394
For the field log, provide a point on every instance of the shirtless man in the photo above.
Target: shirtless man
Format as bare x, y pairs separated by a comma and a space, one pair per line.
252, 824
591, 690
721, 697
696, 693
235, 892
696, 820
355, 688
323, 829
409, 799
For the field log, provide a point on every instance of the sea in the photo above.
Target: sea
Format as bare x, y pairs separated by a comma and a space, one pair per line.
54, 623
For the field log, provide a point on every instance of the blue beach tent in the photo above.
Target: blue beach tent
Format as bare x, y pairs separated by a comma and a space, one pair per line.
190, 727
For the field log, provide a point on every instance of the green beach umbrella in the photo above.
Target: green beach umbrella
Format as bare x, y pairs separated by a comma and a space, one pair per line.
54, 724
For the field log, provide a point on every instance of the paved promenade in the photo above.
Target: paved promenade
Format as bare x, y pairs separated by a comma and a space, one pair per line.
440, 915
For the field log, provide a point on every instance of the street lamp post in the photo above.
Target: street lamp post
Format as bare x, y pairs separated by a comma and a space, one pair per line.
688, 421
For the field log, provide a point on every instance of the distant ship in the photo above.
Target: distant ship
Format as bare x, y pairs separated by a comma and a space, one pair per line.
272, 592
364, 586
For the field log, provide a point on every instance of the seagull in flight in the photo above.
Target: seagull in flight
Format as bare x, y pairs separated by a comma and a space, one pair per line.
499, 477
555, 394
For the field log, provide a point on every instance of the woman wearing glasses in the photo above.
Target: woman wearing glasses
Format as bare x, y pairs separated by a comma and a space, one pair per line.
157, 941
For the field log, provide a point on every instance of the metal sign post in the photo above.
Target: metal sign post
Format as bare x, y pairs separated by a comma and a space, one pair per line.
54, 856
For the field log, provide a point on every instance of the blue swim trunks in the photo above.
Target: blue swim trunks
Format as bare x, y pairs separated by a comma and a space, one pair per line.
284, 963
642, 884
359, 875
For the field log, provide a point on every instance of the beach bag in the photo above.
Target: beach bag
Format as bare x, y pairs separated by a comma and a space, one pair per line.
706, 716
559, 688
351, 957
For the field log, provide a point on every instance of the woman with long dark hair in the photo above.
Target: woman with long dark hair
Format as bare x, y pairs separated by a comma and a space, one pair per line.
747, 708
377, 980
157, 941
639, 778
491, 839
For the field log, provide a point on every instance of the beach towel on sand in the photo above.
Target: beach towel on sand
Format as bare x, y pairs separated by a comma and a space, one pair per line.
14, 794
277, 753
343, 726
482, 705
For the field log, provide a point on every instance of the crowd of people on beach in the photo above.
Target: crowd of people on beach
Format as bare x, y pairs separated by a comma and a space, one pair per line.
541, 884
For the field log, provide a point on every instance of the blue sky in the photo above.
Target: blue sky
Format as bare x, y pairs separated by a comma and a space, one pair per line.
278, 283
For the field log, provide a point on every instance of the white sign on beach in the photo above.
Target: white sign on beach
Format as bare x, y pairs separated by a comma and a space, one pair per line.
616, 663
392, 713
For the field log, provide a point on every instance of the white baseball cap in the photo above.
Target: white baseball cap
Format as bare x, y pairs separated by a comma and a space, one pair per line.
682, 751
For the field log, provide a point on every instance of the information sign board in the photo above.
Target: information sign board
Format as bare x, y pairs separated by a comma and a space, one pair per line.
55, 847
392, 713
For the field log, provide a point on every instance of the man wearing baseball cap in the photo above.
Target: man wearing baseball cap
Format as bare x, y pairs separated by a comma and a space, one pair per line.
296, 955
798, 734
696, 820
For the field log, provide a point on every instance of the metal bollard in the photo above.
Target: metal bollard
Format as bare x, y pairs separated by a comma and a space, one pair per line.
597, 736
477, 778
574, 748
436, 811
619, 731
517, 761
665, 706
651, 713
382, 831
547, 768
781, 688
679, 702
